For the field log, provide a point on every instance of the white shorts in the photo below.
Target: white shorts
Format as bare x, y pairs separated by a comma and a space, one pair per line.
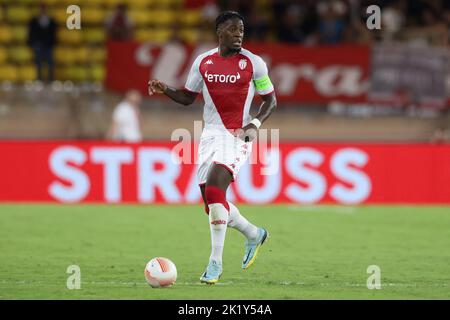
221, 147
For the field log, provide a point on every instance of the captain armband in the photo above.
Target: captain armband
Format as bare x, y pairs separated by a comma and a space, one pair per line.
263, 83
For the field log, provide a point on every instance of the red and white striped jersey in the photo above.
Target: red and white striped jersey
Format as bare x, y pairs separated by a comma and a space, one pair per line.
228, 85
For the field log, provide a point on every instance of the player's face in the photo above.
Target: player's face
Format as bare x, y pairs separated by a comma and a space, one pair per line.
232, 34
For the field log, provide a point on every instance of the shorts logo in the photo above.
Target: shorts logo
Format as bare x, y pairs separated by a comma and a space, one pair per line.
215, 222
242, 64
221, 77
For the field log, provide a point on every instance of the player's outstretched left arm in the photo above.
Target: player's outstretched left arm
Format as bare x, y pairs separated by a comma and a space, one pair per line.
183, 97
269, 104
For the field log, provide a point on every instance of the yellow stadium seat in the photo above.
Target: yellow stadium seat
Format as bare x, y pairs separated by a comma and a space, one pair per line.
82, 55
142, 35
94, 35
60, 73
51, 3
112, 3
140, 17
78, 73
25, 2
90, 3
163, 17
66, 36
20, 34
91, 15
19, 14
62, 3
69, 55
97, 73
3, 55
168, 3
140, 3
65, 55
82, 3
153, 35
5, 34
190, 18
69, 73
18, 2
20, 54
97, 54
189, 35
60, 15
8, 73
27, 73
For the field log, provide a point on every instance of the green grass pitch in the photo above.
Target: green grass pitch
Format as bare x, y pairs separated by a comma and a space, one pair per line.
314, 252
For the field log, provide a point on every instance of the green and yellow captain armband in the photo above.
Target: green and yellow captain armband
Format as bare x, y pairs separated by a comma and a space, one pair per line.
263, 83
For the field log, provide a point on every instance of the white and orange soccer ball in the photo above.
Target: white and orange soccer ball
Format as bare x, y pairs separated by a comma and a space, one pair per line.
160, 272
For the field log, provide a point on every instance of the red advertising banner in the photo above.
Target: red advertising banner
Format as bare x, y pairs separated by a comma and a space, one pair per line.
73, 172
300, 74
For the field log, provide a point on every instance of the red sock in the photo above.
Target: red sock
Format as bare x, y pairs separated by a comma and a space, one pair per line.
216, 195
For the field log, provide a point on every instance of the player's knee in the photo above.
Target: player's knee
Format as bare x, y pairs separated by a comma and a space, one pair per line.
216, 195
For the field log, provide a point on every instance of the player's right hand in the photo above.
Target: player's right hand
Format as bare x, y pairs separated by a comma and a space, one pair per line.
156, 86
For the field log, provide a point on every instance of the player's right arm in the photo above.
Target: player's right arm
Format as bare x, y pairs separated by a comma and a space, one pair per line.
183, 96
186, 96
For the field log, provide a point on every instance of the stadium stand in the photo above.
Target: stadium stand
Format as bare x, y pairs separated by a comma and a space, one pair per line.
156, 20
153, 20
80, 55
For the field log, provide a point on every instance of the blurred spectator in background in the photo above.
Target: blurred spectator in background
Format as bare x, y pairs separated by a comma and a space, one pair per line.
210, 10
392, 21
431, 27
288, 26
357, 31
332, 22
243, 7
311, 22
125, 125
42, 40
257, 26
447, 23
119, 25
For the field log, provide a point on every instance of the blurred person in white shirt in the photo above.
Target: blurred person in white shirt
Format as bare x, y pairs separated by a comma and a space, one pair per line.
125, 125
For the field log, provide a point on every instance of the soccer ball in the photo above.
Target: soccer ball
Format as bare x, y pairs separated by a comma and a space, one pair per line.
160, 272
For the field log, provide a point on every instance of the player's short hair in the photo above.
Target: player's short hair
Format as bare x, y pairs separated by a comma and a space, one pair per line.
227, 15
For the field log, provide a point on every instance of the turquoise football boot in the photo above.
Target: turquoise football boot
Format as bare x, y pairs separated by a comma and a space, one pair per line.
252, 248
212, 273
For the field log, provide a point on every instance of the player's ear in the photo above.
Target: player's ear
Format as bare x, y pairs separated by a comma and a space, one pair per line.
219, 32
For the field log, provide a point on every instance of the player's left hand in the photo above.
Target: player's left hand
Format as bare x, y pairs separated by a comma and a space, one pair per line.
248, 133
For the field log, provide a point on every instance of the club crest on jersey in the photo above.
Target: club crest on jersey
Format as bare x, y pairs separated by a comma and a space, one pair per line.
242, 64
